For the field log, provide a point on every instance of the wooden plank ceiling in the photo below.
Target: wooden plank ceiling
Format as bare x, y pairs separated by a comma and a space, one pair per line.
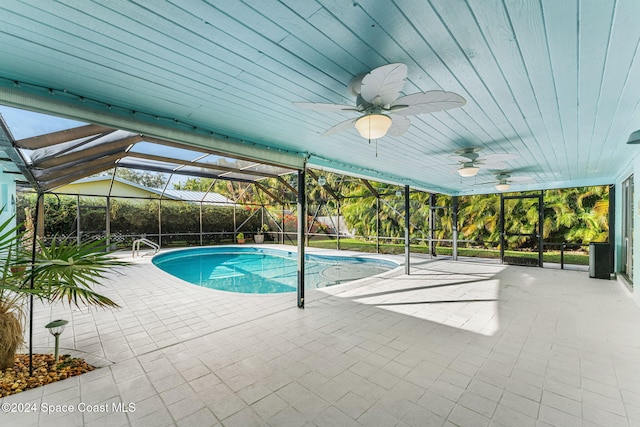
556, 83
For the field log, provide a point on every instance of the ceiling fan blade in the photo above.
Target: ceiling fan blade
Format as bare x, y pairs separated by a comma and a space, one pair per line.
493, 165
383, 85
316, 106
521, 179
464, 157
499, 157
340, 127
399, 125
427, 102
459, 159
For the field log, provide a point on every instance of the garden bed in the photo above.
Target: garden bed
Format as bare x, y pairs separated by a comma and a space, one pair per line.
16, 379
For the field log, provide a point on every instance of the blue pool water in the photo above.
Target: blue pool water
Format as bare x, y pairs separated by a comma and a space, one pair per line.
263, 271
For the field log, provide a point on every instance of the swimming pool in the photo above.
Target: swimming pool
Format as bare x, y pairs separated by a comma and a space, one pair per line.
263, 270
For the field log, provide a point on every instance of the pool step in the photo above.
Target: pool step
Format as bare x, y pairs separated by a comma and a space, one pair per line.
224, 272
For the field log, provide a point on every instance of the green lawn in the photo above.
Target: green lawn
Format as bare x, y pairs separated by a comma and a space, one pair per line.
388, 248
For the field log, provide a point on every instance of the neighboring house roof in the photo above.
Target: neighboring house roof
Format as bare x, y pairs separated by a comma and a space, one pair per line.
197, 196
170, 194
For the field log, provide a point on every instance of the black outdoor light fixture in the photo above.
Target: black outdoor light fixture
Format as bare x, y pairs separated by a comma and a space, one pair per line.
56, 328
634, 138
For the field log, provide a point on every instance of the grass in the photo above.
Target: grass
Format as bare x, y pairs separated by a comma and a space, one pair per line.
570, 257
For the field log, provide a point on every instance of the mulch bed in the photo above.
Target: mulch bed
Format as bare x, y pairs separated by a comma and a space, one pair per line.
17, 379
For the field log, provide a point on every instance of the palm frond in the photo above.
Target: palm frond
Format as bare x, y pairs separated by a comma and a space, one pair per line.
67, 271
8, 234
71, 293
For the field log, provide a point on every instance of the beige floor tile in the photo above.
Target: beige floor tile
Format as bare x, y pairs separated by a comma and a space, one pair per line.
455, 343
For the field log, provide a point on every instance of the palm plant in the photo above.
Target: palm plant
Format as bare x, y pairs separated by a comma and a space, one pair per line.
65, 271
11, 313
62, 271
479, 217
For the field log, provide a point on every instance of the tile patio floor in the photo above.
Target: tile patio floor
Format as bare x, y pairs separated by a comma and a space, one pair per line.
454, 344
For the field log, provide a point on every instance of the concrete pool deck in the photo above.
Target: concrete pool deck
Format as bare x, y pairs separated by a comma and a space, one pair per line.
453, 344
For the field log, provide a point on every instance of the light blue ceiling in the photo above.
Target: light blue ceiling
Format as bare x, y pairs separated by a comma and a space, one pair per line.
556, 82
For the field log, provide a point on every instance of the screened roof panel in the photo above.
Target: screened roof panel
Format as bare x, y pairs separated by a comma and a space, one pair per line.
38, 154
239, 176
258, 167
146, 147
107, 140
197, 171
144, 163
215, 159
56, 160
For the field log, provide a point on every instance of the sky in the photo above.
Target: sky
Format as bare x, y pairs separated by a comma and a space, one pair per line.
25, 124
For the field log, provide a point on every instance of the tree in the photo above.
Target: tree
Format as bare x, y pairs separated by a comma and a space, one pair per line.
360, 210
576, 215
148, 179
61, 272
194, 184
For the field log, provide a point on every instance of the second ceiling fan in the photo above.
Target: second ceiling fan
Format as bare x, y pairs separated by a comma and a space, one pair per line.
469, 161
380, 107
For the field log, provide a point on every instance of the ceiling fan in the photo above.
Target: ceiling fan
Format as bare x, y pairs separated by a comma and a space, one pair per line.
505, 179
381, 108
469, 161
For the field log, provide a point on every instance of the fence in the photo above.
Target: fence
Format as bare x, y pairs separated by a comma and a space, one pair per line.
195, 223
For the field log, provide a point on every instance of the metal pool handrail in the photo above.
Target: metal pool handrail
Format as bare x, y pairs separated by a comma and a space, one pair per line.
136, 246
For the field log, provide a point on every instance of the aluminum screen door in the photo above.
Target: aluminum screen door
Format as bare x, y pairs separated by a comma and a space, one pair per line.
527, 233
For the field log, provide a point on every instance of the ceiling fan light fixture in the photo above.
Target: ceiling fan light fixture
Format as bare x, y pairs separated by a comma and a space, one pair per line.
503, 186
373, 126
468, 171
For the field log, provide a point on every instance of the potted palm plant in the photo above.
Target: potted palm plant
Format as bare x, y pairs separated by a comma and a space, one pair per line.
240, 238
62, 271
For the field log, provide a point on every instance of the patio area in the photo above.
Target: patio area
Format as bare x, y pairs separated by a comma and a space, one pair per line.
453, 344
